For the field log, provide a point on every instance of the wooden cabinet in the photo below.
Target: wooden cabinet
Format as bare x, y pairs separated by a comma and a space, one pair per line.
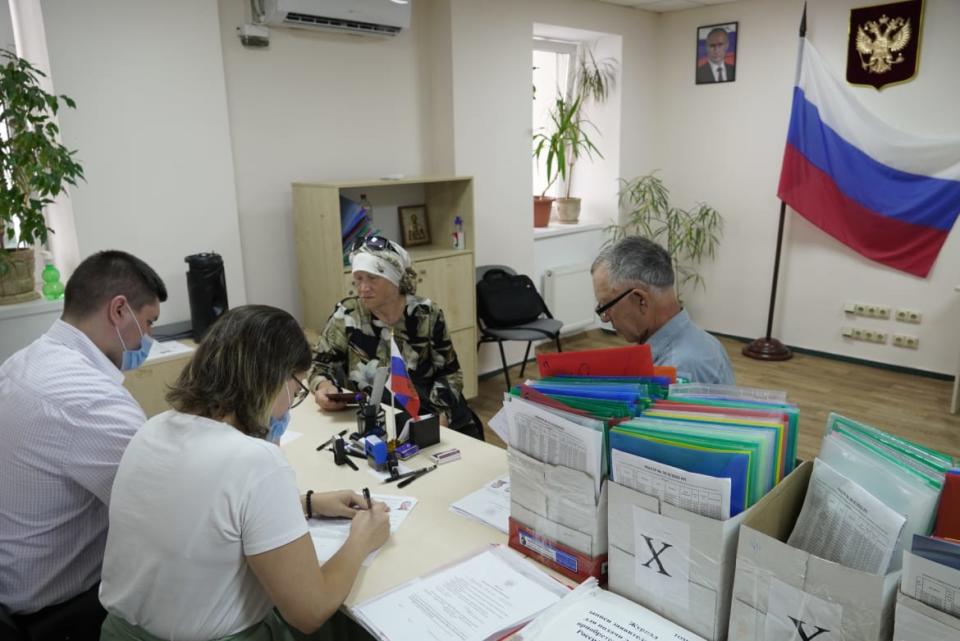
445, 275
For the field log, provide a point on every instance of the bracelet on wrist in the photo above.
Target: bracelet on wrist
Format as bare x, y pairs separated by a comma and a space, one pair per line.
309, 506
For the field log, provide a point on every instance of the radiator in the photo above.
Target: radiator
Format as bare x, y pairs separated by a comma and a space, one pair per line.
568, 292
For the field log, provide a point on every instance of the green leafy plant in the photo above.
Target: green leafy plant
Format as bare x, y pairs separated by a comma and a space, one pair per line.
564, 141
35, 167
690, 235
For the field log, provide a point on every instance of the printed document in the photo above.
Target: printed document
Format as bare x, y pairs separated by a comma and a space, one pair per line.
555, 440
592, 614
480, 598
329, 535
165, 350
698, 493
932, 583
490, 504
842, 522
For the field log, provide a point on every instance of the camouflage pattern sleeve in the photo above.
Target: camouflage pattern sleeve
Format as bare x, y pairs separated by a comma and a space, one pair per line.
447, 389
330, 353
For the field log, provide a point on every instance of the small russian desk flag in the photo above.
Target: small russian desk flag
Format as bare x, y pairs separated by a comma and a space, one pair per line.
400, 385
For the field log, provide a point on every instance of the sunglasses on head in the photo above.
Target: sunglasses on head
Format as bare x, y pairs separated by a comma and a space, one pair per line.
375, 242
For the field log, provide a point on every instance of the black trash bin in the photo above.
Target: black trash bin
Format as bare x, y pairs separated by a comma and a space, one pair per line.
207, 289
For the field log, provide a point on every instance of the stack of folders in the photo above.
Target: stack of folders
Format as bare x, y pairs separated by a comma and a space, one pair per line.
928, 607
869, 494
745, 437
354, 224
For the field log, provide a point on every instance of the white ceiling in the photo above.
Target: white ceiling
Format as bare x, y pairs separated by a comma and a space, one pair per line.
661, 6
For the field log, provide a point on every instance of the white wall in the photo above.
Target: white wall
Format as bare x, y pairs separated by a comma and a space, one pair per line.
315, 106
151, 130
723, 144
491, 112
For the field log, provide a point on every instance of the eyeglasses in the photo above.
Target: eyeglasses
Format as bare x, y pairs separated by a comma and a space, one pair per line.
377, 243
603, 309
301, 394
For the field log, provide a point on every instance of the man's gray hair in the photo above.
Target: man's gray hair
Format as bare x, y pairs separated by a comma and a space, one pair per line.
636, 259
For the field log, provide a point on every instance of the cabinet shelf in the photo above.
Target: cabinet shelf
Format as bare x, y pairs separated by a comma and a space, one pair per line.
445, 274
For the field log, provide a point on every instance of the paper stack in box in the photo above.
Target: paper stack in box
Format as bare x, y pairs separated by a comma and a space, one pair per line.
821, 552
556, 431
683, 474
928, 605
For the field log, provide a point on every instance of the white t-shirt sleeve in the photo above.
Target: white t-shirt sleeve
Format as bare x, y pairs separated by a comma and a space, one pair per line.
272, 515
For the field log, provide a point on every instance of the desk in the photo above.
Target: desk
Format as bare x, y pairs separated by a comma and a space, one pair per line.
432, 535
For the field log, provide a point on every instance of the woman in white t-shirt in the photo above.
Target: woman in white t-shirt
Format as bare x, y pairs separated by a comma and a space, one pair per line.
207, 529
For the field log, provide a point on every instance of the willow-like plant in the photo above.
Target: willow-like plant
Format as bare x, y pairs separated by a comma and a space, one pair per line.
689, 235
564, 141
34, 166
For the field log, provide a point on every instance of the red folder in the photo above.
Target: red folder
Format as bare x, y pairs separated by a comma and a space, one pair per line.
948, 514
635, 360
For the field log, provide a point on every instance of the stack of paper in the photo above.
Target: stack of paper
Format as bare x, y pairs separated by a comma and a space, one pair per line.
589, 612
483, 597
744, 437
489, 505
855, 459
931, 573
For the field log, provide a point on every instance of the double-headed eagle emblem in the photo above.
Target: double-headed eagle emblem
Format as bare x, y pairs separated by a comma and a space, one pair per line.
882, 40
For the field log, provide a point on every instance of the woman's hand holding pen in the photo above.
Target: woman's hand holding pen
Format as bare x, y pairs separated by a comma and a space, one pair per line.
342, 503
371, 528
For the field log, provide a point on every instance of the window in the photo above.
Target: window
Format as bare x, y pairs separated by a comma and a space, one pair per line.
553, 66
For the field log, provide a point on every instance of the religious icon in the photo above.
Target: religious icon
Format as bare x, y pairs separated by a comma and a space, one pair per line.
414, 226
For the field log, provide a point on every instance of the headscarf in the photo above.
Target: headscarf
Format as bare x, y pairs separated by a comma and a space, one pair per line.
392, 263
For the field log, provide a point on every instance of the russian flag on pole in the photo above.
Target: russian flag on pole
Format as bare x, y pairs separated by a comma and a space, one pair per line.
890, 196
400, 385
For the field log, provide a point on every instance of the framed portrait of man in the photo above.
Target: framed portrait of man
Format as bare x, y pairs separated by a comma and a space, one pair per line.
414, 228
717, 53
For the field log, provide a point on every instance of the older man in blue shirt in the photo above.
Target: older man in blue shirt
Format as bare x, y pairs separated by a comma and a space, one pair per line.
633, 282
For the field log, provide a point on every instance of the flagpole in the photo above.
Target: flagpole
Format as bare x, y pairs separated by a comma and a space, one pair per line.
769, 348
392, 420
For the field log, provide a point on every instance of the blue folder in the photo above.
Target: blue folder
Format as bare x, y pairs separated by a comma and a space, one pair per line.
720, 464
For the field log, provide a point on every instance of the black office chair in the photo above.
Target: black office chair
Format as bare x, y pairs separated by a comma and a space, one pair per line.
544, 327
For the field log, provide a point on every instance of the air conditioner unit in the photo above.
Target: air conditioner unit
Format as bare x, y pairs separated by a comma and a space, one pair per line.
363, 17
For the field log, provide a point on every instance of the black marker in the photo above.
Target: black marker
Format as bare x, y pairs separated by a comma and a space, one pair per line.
366, 495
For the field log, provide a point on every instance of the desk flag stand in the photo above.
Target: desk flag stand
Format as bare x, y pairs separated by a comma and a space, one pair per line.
768, 348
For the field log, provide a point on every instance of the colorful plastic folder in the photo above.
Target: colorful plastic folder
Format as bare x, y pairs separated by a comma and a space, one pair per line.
694, 456
635, 360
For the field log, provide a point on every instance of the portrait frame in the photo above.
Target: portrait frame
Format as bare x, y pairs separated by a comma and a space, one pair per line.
414, 225
704, 74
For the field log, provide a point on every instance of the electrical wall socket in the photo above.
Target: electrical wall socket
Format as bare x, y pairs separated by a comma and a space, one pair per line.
909, 315
906, 340
867, 309
867, 335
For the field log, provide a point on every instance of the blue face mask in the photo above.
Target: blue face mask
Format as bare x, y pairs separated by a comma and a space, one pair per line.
133, 358
279, 425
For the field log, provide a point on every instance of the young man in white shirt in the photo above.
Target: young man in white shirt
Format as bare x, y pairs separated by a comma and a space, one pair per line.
65, 421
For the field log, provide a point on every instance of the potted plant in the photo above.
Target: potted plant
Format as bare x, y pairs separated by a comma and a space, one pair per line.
35, 169
566, 140
690, 236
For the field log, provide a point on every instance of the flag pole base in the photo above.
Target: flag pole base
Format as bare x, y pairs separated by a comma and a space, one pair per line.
767, 349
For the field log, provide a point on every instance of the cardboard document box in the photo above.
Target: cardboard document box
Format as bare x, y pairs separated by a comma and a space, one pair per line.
916, 621
781, 593
675, 562
556, 518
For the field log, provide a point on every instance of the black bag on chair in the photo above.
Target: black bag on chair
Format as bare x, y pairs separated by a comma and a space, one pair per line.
506, 300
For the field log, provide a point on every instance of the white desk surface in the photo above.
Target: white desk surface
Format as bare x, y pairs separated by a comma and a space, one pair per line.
432, 535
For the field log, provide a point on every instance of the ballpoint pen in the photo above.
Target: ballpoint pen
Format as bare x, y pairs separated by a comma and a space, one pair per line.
407, 481
330, 440
366, 496
406, 475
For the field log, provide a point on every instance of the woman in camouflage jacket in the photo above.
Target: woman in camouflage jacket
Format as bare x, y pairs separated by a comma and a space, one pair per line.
356, 339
